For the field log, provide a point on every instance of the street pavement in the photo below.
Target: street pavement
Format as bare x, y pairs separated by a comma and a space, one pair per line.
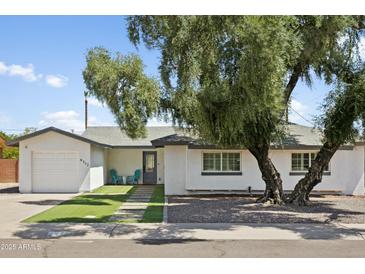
116, 248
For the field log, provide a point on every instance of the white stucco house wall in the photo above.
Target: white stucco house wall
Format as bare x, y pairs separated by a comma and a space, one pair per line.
53, 160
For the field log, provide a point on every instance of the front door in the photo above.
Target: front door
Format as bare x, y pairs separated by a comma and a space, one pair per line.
149, 167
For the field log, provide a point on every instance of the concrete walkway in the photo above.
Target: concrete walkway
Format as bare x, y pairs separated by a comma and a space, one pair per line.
134, 207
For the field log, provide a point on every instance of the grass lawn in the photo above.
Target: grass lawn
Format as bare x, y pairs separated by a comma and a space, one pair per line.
93, 207
154, 211
110, 189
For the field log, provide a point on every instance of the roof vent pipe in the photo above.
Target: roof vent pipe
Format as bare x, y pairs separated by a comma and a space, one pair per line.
86, 112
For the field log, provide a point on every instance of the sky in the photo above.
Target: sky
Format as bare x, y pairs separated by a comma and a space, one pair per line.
41, 63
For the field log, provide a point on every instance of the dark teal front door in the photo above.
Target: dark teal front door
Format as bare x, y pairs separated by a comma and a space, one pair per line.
149, 167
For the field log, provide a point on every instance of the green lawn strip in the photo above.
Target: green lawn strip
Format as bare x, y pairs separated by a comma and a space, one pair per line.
97, 206
154, 211
114, 189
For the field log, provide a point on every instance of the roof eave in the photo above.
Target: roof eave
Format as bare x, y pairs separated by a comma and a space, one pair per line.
15, 142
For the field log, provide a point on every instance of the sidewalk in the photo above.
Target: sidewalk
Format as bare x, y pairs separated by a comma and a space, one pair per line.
189, 231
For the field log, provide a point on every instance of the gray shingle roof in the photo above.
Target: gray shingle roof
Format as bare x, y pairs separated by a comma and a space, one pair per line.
113, 136
15, 142
298, 136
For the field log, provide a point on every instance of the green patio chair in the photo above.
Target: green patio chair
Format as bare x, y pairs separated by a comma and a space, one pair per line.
116, 180
134, 178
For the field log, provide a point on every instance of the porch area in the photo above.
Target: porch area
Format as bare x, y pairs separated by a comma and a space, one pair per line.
128, 165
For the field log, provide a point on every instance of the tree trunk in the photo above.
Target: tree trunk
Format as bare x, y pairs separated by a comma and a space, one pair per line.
300, 194
274, 185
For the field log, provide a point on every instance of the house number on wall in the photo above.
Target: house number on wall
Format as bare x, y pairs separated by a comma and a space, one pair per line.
84, 162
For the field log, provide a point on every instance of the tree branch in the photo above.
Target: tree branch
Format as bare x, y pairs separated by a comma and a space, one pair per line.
297, 71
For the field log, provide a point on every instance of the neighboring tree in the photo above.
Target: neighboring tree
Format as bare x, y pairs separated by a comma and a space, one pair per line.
28, 130
13, 152
9, 152
7, 137
121, 84
344, 116
223, 72
2, 145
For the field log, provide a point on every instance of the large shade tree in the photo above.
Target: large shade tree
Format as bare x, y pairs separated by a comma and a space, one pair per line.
227, 78
342, 122
222, 59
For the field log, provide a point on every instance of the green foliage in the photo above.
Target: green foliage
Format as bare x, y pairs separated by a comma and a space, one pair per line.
230, 71
344, 111
119, 82
7, 137
28, 130
330, 45
13, 152
9, 152
229, 78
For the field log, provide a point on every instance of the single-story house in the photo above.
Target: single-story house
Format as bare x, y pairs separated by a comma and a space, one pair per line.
53, 160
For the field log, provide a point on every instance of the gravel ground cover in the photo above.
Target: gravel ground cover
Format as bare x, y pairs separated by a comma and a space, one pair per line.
238, 209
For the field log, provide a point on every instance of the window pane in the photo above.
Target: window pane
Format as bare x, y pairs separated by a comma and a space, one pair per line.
296, 161
305, 161
231, 162
211, 161
206, 162
236, 162
313, 156
150, 162
302, 161
225, 159
217, 162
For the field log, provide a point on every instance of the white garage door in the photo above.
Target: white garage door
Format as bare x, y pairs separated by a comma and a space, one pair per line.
55, 172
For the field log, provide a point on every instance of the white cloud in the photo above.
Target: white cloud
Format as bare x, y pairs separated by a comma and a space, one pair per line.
299, 110
71, 120
298, 106
56, 81
63, 115
68, 120
94, 102
27, 73
3, 68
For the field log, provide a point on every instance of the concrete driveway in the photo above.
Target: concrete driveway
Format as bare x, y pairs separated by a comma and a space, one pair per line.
16, 207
